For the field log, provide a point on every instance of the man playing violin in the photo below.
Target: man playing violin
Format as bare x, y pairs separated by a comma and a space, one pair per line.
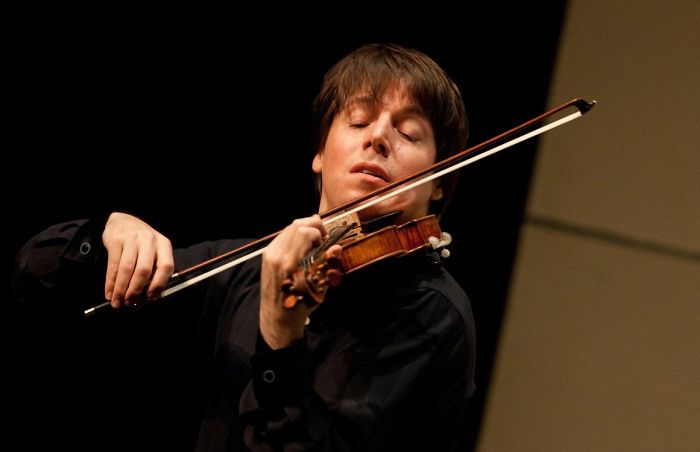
386, 362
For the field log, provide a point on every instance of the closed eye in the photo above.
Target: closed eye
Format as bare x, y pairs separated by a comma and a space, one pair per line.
410, 138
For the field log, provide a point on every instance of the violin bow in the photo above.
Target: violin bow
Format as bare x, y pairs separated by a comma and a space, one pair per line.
439, 169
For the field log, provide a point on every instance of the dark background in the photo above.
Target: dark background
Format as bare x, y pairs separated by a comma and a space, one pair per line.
198, 119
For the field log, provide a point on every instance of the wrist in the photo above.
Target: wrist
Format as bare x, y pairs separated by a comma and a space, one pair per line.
280, 331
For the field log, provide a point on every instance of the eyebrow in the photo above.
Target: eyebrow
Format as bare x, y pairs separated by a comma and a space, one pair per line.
372, 102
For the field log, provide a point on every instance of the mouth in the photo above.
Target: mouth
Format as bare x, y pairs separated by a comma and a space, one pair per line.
371, 170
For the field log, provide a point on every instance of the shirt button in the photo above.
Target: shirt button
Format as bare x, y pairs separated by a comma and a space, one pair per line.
85, 248
268, 376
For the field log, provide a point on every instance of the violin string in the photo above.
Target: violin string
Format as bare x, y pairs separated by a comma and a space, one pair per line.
336, 234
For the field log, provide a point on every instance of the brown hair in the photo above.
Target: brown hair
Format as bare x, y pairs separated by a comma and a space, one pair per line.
376, 67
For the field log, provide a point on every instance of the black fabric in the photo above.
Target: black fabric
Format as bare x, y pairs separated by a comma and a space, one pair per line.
387, 361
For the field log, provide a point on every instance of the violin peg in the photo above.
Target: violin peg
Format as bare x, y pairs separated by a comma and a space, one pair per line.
288, 286
434, 241
333, 277
291, 300
445, 239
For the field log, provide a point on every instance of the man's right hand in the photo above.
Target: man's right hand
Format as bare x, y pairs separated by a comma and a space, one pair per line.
139, 259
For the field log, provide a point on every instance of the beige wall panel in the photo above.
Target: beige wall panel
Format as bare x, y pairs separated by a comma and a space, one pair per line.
599, 352
632, 165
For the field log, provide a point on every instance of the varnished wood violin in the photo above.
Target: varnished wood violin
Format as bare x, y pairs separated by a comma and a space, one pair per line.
317, 273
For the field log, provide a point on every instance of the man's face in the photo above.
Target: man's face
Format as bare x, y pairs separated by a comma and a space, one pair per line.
372, 143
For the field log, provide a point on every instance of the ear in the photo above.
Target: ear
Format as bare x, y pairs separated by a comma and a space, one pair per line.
436, 194
317, 164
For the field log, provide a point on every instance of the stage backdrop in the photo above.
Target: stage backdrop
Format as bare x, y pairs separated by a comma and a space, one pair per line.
197, 119
599, 345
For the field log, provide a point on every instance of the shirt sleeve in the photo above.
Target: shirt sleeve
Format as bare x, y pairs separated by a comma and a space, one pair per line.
403, 387
279, 406
60, 260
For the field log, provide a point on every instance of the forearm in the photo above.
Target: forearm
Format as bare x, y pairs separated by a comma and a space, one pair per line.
60, 262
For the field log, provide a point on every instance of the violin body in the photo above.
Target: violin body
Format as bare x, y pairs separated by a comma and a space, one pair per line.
388, 242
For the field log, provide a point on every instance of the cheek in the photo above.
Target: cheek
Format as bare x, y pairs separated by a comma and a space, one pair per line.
336, 150
332, 154
414, 160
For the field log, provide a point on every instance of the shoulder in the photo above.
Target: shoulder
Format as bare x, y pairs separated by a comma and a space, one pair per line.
448, 309
444, 308
445, 292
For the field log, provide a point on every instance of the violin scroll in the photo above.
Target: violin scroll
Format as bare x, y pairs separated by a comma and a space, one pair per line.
311, 284
316, 272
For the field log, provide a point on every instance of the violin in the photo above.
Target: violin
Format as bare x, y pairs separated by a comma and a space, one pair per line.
312, 280
316, 273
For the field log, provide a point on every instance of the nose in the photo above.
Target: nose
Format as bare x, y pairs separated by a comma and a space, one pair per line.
378, 137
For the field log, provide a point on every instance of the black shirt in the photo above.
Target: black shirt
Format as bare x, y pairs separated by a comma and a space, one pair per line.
387, 361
